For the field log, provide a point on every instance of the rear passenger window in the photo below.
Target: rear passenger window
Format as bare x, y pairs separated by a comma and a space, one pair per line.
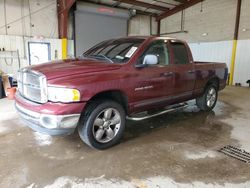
180, 53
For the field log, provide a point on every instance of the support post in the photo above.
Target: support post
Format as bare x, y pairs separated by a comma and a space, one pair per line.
158, 27
234, 51
64, 48
63, 8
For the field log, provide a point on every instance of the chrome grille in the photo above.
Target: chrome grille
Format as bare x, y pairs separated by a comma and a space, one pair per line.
32, 85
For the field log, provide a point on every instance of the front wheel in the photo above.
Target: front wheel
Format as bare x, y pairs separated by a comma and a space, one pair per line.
208, 100
103, 124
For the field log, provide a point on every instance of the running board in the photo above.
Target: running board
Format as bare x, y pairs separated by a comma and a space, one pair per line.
170, 109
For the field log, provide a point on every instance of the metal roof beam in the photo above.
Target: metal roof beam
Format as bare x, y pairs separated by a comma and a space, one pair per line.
181, 1
143, 4
120, 7
63, 8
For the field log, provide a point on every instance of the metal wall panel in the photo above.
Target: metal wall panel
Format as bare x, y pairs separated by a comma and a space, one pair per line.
21, 14
242, 63
222, 52
140, 25
212, 51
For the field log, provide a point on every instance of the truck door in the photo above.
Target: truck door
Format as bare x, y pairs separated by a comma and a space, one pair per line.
154, 83
184, 70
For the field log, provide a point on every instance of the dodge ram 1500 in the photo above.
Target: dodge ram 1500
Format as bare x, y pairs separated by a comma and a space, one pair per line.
114, 81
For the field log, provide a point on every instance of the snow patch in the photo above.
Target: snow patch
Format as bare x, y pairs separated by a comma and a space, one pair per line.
152, 182
200, 155
42, 139
99, 182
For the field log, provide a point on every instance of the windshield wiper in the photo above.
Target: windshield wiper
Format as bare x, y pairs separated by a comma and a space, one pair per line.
101, 56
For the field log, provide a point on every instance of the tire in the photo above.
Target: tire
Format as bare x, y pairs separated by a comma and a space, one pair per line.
103, 124
209, 98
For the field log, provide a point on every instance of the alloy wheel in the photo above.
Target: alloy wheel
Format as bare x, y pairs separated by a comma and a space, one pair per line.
211, 97
106, 125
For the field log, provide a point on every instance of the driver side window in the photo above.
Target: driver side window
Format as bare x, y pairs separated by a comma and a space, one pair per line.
159, 49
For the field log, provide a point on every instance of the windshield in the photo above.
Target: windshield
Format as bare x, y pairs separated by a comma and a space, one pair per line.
114, 51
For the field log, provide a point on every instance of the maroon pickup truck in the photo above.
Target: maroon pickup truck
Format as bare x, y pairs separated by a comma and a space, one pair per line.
115, 80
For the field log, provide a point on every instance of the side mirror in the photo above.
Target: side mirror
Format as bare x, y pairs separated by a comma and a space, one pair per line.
150, 60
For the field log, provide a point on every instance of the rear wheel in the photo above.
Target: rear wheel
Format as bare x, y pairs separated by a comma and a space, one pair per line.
103, 124
208, 100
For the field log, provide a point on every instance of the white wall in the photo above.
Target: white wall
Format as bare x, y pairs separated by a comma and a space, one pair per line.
212, 51
140, 25
28, 20
217, 19
222, 52
214, 17
242, 64
13, 43
39, 18
244, 20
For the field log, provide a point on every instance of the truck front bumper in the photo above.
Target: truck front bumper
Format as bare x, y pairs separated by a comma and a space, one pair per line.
49, 124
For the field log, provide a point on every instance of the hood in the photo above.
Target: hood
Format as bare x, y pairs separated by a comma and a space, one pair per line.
63, 68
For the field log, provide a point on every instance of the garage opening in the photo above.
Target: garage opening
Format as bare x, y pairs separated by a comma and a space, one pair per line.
94, 24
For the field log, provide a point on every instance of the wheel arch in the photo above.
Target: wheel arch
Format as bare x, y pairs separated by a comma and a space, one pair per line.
214, 80
115, 95
201, 100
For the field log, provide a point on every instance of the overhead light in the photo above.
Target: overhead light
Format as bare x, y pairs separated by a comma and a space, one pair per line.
106, 10
245, 29
204, 34
132, 12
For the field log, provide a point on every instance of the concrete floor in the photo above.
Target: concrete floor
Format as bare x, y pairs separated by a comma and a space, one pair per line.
174, 150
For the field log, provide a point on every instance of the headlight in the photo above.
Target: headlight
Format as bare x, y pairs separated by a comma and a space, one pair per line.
57, 94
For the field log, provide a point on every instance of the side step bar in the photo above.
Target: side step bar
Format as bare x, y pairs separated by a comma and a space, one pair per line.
170, 109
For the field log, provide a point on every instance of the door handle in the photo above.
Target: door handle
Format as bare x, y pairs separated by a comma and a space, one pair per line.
167, 74
191, 71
